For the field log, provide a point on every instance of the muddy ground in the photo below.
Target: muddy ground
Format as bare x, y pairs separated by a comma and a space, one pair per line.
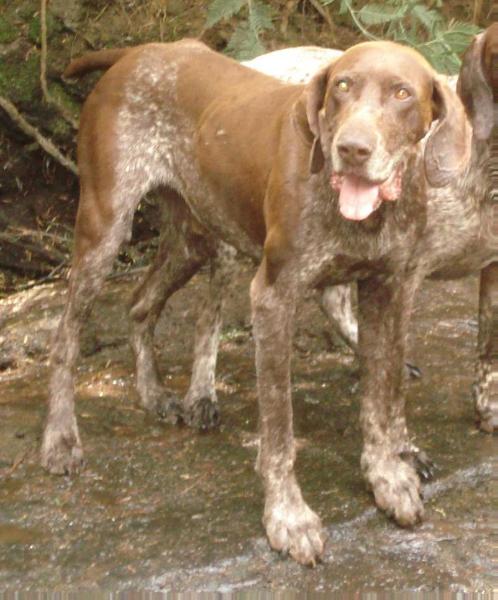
160, 507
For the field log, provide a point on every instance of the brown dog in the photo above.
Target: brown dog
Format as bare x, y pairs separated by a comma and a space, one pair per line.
331, 179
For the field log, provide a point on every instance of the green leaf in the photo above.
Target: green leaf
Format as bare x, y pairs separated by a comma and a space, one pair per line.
379, 14
222, 9
260, 16
345, 7
244, 43
459, 35
441, 57
428, 18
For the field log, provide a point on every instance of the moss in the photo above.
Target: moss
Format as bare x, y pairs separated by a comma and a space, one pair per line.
53, 26
59, 128
59, 93
19, 81
7, 31
25, 13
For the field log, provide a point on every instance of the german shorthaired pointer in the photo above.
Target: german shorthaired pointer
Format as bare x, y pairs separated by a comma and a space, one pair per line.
367, 173
297, 65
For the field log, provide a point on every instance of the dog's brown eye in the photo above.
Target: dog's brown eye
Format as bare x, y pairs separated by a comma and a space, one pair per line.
342, 85
402, 94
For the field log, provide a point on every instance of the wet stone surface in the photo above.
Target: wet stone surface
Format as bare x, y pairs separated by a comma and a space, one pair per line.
160, 507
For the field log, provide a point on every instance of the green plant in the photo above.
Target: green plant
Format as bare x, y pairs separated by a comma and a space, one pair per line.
7, 32
415, 23
245, 42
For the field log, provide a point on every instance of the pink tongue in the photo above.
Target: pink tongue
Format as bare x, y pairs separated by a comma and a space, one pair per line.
358, 198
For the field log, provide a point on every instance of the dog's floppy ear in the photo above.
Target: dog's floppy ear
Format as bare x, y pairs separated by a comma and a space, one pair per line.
474, 83
315, 96
447, 149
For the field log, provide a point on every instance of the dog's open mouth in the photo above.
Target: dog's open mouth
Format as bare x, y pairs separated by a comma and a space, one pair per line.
359, 198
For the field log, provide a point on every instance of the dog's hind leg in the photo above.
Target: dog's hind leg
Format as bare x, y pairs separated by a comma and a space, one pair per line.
337, 306
100, 230
200, 404
183, 248
486, 388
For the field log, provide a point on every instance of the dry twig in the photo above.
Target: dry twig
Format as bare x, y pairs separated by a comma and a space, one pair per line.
43, 70
322, 11
17, 463
477, 12
28, 129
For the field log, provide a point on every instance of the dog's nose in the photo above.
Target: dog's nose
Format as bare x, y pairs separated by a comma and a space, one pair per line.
354, 151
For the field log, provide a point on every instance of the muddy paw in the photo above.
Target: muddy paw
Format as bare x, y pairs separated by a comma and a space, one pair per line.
168, 408
486, 411
396, 488
412, 371
203, 414
487, 425
293, 528
420, 461
61, 452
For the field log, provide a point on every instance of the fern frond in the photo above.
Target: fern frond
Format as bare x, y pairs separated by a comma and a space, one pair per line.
244, 43
380, 14
459, 35
223, 9
260, 16
428, 18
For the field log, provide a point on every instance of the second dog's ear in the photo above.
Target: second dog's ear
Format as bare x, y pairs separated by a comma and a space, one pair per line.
447, 150
315, 96
474, 84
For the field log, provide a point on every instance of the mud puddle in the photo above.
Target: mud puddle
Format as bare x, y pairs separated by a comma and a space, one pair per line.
163, 508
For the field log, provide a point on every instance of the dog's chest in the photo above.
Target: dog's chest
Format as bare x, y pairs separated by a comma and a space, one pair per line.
335, 251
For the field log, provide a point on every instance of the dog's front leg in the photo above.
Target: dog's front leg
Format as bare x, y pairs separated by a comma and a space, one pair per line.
486, 390
290, 524
384, 309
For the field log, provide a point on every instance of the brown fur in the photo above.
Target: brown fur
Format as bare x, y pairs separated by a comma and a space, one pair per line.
235, 149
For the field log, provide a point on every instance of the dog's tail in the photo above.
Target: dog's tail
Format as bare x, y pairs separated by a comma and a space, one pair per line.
94, 61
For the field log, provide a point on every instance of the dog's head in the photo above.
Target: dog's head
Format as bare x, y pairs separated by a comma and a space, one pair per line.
368, 110
478, 81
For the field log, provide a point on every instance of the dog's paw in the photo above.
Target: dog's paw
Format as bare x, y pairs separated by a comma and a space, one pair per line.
160, 402
396, 488
420, 461
412, 371
486, 406
293, 528
489, 424
168, 408
61, 451
202, 414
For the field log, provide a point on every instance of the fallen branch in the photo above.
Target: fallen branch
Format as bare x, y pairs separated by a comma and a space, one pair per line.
43, 70
52, 255
38, 235
28, 129
19, 266
17, 463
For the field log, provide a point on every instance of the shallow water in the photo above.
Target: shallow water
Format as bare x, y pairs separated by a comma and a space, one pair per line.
164, 508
